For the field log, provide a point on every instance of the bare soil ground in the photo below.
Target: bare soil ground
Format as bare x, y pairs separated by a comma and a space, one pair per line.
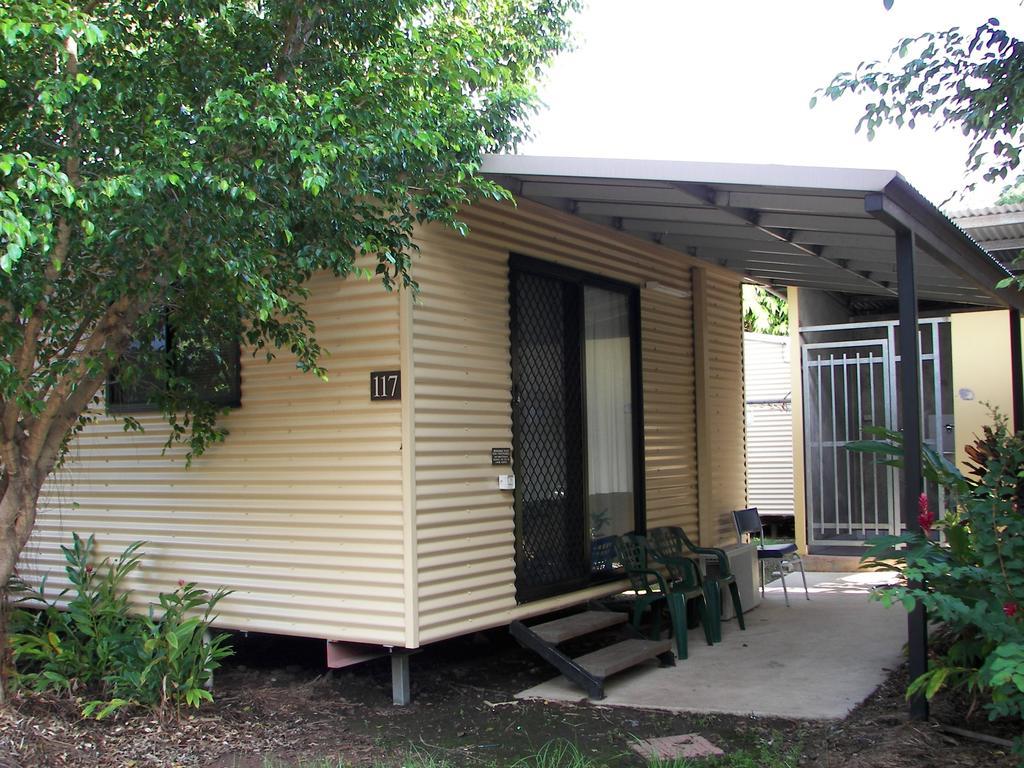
276, 703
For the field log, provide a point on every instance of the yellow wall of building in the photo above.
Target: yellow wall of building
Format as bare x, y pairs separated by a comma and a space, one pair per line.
981, 373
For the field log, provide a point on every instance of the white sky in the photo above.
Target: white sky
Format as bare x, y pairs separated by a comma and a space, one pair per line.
731, 81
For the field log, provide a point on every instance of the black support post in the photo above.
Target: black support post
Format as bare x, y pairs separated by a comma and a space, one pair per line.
1016, 371
910, 402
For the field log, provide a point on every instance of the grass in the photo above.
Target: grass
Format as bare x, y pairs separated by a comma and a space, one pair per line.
768, 753
556, 754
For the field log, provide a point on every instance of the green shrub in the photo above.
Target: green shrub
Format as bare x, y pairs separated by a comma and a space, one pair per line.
967, 568
100, 651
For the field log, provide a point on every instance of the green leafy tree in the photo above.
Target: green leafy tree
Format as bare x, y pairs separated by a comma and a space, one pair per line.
970, 81
764, 312
1011, 195
189, 164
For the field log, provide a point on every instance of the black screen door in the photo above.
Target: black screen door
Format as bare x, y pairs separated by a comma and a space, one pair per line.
547, 426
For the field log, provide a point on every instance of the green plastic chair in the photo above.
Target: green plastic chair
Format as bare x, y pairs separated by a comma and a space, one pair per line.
653, 590
672, 547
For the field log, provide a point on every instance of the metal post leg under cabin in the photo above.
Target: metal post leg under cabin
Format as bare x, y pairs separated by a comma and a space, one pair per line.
910, 396
400, 694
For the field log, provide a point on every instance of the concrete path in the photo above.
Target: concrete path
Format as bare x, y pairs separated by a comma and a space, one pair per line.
814, 660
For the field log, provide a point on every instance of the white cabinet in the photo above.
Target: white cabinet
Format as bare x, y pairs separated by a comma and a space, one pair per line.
743, 563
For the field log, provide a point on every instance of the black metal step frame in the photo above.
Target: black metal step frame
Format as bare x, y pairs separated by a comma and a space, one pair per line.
576, 673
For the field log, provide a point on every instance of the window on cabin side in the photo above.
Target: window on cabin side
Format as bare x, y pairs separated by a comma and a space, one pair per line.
213, 371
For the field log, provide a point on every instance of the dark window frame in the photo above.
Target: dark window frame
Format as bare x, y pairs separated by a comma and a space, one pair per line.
232, 398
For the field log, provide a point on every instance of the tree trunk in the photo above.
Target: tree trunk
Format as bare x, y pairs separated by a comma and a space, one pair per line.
17, 516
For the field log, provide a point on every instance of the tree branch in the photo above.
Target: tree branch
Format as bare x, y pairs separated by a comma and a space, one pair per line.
111, 335
70, 348
298, 29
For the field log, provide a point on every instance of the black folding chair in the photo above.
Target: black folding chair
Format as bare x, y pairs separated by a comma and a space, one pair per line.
748, 524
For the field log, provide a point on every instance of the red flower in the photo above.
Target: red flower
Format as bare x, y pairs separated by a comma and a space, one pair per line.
1010, 609
181, 582
88, 568
925, 518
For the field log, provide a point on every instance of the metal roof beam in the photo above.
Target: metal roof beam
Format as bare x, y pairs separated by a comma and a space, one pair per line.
842, 288
862, 225
738, 232
818, 252
870, 242
757, 220
654, 212
943, 241
657, 195
770, 201
725, 243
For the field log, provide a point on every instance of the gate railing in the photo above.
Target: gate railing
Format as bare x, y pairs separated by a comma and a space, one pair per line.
848, 384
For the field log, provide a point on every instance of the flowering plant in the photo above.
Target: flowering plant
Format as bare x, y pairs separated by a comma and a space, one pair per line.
925, 517
971, 576
88, 641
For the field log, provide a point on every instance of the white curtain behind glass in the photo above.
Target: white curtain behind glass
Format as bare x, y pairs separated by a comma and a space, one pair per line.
609, 411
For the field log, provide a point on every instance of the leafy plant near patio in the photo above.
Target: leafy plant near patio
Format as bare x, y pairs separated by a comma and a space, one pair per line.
972, 578
99, 650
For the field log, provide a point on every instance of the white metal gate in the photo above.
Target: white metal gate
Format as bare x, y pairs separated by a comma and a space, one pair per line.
849, 383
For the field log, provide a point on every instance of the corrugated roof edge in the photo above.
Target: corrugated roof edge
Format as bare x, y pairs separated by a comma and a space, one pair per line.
811, 177
989, 210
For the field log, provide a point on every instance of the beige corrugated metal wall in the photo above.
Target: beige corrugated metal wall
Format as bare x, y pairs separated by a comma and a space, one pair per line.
465, 533
768, 385
720, 370
299, 510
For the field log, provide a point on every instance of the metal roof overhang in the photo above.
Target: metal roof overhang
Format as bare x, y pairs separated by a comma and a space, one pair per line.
998, 229
824, 228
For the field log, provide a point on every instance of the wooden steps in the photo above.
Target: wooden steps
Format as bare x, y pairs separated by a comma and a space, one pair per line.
590, 670
568, 627
628, 653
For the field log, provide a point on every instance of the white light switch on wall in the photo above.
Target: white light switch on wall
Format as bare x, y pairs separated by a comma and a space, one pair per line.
507, 482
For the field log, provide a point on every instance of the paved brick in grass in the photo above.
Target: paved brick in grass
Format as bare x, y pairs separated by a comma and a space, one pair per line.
673, 747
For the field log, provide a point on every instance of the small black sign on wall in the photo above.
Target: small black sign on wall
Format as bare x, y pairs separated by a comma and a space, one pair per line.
385, 385
501, 456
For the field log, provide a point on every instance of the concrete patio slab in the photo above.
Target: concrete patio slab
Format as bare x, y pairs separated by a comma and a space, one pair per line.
814, 660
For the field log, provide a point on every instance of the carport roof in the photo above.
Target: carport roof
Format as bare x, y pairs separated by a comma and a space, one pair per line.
825, 228
999, 229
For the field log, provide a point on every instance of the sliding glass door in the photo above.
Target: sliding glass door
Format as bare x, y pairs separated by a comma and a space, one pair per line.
608, 384
576, 427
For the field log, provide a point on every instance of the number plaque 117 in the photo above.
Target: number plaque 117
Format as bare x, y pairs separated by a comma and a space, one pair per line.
385, 385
